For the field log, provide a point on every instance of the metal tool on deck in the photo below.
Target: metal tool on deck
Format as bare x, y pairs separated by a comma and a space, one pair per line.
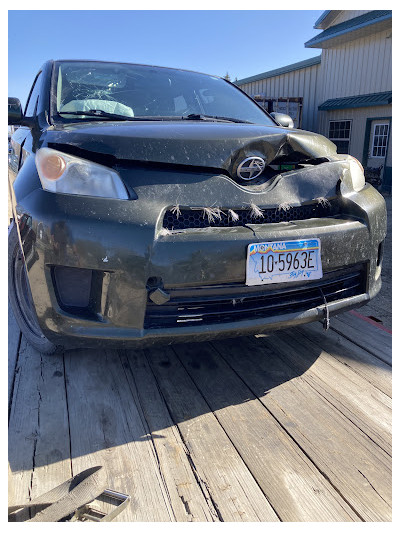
73, 500
87, 513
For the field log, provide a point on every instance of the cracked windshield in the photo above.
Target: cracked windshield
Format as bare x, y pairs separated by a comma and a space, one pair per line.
152, 93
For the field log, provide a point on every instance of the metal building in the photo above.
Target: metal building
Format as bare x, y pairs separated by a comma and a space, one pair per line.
291, 90
344, 93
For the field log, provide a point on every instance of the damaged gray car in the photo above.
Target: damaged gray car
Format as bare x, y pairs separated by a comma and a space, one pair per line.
160, 205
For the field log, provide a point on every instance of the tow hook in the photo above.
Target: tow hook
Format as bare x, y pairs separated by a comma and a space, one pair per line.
159, 296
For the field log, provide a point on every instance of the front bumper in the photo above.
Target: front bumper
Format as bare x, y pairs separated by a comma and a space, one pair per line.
127, 254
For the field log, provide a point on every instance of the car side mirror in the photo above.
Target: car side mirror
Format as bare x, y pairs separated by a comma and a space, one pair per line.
15, 115
283, 120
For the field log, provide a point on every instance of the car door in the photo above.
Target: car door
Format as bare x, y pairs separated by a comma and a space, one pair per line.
22, 136
22, 132
14, 154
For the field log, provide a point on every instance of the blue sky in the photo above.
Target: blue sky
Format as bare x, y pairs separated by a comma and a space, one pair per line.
243, 43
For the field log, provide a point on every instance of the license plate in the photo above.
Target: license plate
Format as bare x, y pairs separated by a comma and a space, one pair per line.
283, 261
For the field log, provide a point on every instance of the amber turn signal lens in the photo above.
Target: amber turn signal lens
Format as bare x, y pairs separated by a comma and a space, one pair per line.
358, 163
53, 166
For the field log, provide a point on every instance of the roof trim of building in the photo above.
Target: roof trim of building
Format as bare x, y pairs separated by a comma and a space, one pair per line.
362, 100
325, 19
282, 70
357, 23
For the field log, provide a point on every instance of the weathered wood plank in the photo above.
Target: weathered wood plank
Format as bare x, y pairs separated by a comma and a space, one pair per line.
362, 403
296, 489
374, 370
22, 431
359, 470
370, 338
189, 499
14, 339
39, 455
106, 429
192, 471
220, 469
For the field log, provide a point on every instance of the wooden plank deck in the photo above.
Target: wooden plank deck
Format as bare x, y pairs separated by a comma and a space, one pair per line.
291, 427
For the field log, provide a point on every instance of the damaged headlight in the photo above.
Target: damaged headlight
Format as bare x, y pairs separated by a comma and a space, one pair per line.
64, 173
353, 176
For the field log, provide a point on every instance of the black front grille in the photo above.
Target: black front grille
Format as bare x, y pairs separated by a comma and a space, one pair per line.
230, 303
198, 218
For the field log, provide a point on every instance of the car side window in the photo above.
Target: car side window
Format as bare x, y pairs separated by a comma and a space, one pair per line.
31, 105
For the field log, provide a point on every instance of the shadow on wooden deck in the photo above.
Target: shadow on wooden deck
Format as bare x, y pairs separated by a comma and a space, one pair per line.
292, 427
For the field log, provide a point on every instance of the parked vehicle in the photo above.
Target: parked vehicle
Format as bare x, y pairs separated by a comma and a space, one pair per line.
161, 205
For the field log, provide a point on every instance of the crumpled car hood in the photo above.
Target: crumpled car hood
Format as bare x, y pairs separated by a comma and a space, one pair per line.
199, 144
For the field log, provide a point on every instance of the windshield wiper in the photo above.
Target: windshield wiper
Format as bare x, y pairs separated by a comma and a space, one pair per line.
114, 116
101, 114
194, 116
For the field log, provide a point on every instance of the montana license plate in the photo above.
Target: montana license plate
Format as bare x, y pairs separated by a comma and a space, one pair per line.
283, 261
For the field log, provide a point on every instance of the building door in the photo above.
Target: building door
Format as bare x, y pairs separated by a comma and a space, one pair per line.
378, 143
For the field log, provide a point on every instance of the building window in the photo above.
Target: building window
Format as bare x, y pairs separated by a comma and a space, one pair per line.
339, 133
379, 143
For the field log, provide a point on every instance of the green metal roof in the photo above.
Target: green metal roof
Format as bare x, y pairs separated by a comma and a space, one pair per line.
283, 70
357, 23
363, 100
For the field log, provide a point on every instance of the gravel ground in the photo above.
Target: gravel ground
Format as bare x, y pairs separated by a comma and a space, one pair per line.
380, 308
